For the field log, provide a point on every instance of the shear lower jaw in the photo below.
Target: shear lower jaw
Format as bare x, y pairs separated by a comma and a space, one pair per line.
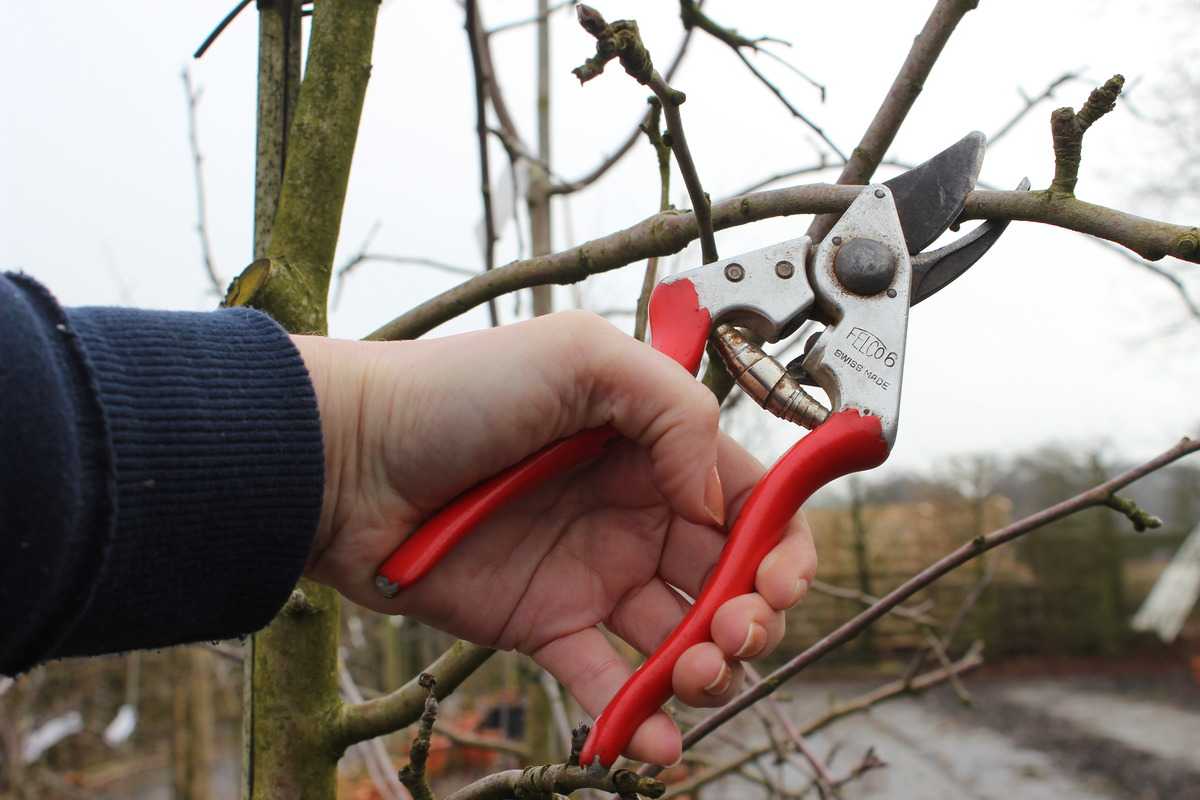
765, 380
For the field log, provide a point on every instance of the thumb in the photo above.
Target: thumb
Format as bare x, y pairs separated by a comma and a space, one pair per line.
654, 401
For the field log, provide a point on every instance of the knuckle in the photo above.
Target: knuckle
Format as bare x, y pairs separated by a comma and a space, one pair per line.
703, 406
585, 322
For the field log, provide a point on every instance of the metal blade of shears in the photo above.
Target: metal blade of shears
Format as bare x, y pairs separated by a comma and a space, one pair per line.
930, 196
935, 270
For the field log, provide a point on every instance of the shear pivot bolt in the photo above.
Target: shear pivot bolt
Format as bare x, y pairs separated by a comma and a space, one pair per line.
785, 269
880, 193
865, 267
734, 272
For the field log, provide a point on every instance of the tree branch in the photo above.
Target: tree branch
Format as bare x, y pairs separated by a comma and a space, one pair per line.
693, 17
557, 779
570, 187
914, 614
520, 23
1192, 306
1097, 496
364, 255
882, 694
622, 41
662, 151
193, 99
481, 132
1067, 128
669, 232
401, 708
412, 775
909, 81
1032, 103
500, 745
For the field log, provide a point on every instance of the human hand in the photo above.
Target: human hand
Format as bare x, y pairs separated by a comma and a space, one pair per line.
410, 425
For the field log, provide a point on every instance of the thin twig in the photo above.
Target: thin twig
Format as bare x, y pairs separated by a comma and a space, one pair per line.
558, 709
960, 616
520, 23
610, 161
692, 16
364, 255
855, 705
820, 771
221, 26
1032, 103
481, 132
787, 174
905, 88
939, 651
374, 754
795, 112
193, 100
1097, 496
914, 614
475, 741
412, 775
622, 41
662, 152
1193, 306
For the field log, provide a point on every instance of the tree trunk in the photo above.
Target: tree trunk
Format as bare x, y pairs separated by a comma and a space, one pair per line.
194, 732
291, 694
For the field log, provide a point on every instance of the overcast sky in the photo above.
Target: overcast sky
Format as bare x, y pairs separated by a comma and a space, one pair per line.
1049, 338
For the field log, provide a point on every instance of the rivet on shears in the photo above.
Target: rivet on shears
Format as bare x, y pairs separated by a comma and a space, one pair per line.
734, 273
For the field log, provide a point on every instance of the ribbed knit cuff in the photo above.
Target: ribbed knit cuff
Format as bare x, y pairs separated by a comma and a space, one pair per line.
219, 466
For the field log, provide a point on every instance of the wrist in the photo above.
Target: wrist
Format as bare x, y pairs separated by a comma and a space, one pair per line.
319, 356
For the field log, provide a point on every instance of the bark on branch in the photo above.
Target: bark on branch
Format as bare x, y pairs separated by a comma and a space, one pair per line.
1067, 128
357, 723
909, 82
669, 232
622, 41
545, 781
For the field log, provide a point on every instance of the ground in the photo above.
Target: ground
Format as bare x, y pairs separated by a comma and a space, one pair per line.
1037, 730
1134, 734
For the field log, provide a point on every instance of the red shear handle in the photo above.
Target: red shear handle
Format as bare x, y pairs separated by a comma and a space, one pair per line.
680, 329
847, 442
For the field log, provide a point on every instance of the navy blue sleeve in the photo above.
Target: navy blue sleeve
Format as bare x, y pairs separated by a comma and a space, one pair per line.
160, 475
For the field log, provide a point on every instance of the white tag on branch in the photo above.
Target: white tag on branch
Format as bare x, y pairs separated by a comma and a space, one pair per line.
504, 201
1174, 594
49, 734
122, 726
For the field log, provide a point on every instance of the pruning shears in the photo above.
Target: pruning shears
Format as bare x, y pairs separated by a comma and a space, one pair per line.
860, 282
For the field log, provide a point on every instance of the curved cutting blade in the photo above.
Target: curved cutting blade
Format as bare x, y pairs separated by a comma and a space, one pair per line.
930, 196
936, 269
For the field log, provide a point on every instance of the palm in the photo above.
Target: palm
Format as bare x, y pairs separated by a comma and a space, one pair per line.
572, 554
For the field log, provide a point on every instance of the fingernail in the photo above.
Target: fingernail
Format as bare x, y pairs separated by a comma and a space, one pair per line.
799, 592
720, 683
714, 497
756, 639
